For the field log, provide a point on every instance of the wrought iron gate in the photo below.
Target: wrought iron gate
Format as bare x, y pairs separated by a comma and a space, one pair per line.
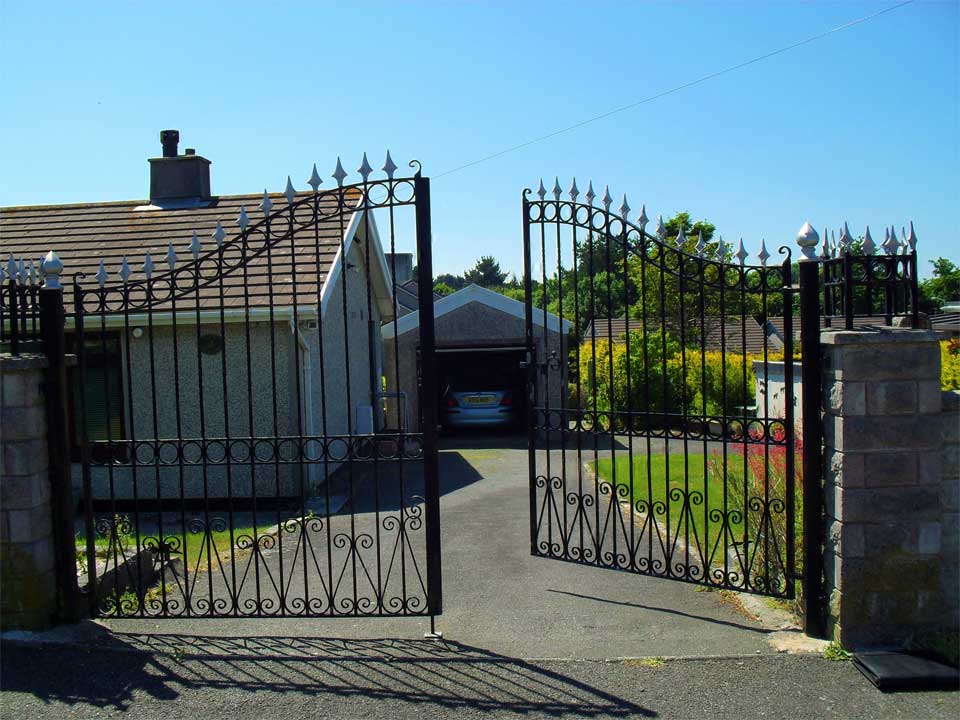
662, 438
239, 455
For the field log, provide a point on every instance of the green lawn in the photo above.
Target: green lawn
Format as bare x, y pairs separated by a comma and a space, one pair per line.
198, 547
689, 476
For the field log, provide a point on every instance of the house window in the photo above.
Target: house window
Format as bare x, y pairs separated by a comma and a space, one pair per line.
100, 390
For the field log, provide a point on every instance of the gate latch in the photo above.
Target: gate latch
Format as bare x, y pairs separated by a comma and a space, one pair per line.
551, 363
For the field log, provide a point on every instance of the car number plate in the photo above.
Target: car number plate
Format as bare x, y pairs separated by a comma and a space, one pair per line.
479, 399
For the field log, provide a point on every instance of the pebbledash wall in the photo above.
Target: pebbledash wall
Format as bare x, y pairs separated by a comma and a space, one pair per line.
155, 405
891, 445
28, 598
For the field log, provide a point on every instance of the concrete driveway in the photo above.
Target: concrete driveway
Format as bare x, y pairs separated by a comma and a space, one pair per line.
499, 599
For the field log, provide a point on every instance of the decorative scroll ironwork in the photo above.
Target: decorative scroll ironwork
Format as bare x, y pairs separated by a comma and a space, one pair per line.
237, 458
19, 306
860, 284
663, 443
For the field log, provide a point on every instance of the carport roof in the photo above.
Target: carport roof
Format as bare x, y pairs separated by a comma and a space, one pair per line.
474, 293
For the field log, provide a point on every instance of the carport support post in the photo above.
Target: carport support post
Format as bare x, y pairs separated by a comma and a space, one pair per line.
428, 398
52, 318
814, 615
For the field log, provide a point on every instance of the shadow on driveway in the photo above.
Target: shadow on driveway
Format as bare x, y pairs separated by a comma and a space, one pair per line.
117, 671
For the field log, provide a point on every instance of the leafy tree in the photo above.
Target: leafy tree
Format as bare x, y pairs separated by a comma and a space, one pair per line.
486, 273
455, 282
943, 287
442, 289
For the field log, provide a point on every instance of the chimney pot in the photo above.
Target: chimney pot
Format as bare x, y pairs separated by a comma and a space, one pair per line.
169, 139
190, 151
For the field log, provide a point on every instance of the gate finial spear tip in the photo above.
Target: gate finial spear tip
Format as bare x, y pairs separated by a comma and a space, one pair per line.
574, 191
642, 218
701, 245
541, 190
364, 168
51, 266
12, 267
741, 252
242, 219
195, 246
912, 237
148, 266
807, 239
125, 271
624, 208
315, 182
868, 245
266, 203
219, 234
290, 192
389, 167
661, 228
556, 188
607, 200
102, 275
763, 254
171, 256
590, 193
891, 244
681, 238
339, 173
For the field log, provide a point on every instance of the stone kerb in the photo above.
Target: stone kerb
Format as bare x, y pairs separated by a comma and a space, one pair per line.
883, 484
27, 560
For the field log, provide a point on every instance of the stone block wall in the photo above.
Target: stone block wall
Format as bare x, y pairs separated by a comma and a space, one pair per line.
27, 560
950, 508
886, 488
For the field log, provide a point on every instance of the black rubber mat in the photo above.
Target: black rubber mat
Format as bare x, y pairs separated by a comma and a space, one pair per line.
900, 671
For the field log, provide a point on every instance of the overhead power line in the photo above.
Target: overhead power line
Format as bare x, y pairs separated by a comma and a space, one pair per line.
678, 88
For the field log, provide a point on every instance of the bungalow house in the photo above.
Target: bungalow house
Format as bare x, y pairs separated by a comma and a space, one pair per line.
276, 358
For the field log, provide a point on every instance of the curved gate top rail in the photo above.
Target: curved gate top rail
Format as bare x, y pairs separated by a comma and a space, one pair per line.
240, 455
662, 437
277, 223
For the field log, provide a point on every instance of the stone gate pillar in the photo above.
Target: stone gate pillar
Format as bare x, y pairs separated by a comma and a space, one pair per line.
891, 535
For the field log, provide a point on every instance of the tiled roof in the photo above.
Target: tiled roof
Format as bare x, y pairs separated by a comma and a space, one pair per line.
408, 300
946, 322
719, 333
85, 234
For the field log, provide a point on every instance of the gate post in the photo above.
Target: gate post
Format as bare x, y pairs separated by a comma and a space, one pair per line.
52, 320
812, 433
428, 395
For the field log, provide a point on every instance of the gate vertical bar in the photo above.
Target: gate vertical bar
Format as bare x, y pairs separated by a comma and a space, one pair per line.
812, 429
52, 320
428, 394
531, 374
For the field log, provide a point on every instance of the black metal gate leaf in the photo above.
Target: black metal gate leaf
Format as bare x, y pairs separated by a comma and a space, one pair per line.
663, 439
237, 455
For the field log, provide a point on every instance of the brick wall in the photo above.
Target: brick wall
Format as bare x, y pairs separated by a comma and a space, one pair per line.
27, 584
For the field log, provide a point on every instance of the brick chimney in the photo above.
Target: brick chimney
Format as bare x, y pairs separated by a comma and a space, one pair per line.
178, 180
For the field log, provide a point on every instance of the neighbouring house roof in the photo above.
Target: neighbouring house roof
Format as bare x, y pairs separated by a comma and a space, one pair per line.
946, 323
729, 334
474, 293
408, 300
836, 323
84, 234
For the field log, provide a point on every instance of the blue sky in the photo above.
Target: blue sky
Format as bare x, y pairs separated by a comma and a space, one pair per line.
860, 126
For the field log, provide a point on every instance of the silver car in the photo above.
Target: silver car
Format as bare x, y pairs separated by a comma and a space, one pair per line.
478, 408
